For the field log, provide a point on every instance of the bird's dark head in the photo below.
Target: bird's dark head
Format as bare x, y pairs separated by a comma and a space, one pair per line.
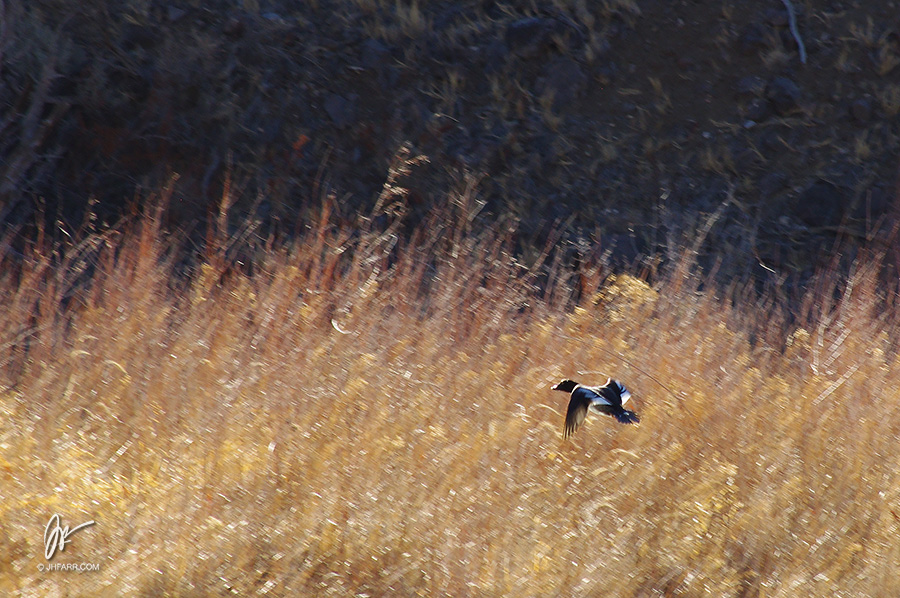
566, 386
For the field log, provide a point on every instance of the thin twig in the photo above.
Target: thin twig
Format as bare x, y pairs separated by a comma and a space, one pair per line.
836, 384
792, 23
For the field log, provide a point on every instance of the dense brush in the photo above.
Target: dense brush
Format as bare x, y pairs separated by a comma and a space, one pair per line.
358, 415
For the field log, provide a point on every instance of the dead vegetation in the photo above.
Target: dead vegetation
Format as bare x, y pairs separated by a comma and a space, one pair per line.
358, 413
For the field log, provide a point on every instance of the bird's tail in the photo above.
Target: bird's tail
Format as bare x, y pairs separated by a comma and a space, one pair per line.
627, 417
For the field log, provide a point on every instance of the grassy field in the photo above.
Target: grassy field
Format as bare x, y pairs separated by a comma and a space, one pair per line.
361, 415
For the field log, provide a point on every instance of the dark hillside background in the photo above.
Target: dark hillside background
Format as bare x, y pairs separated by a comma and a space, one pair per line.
627, 123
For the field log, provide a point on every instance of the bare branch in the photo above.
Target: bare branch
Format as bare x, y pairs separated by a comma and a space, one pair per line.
792, 23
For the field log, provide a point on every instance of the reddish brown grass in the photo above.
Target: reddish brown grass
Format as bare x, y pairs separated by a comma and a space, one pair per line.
369, 416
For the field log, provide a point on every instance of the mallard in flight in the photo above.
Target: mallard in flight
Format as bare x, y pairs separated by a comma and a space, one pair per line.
608, 399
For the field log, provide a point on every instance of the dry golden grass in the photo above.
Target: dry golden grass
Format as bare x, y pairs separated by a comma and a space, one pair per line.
372, 417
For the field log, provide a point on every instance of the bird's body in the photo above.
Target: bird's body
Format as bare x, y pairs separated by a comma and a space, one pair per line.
608, 399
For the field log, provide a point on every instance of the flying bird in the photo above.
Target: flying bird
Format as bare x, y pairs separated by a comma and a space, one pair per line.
608, 399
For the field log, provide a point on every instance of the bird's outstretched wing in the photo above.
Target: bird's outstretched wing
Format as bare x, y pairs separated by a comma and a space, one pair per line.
578, 408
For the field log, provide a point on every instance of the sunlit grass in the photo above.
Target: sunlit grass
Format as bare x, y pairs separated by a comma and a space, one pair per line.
362, 415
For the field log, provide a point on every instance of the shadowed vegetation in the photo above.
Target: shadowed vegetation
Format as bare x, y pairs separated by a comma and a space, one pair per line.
624, 120
358, 414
